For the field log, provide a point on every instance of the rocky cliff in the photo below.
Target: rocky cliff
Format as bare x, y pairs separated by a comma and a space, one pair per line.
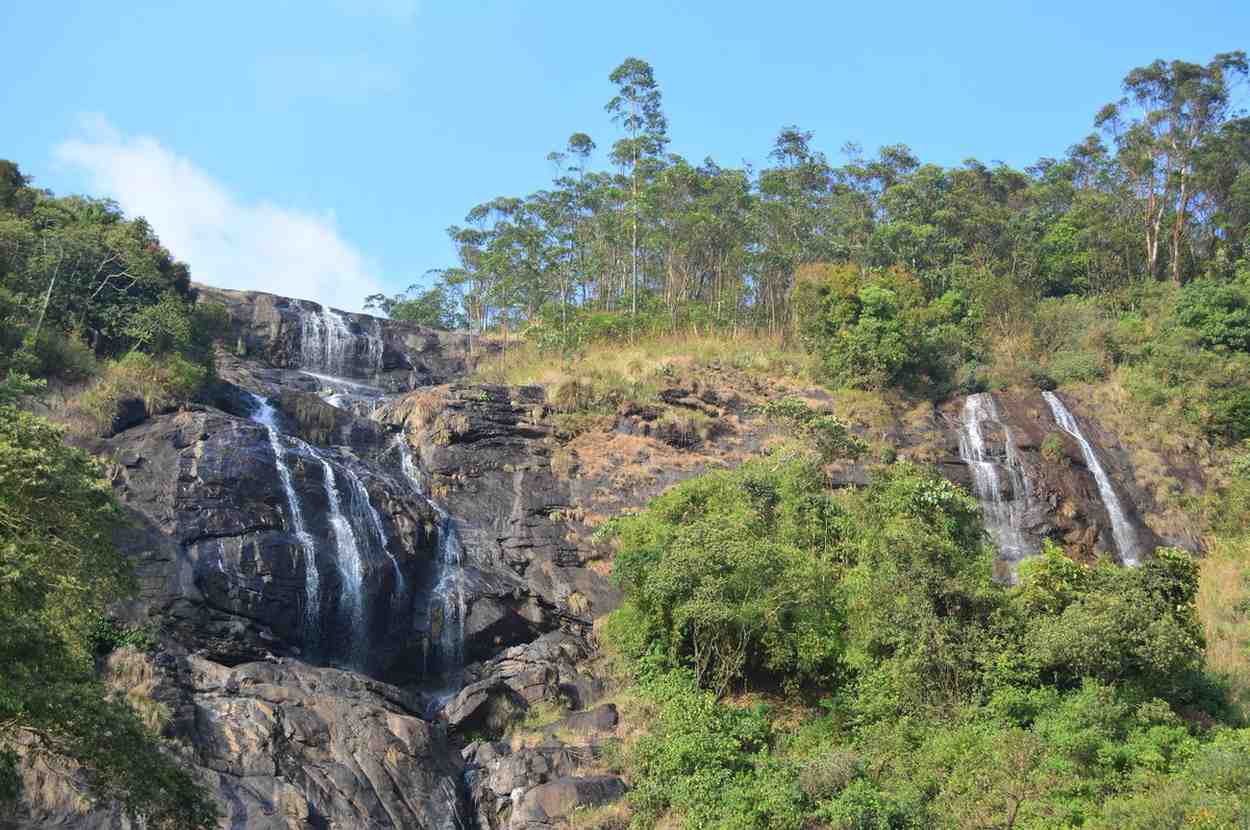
361, 569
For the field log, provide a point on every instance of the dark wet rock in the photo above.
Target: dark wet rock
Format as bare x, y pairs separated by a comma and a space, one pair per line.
219, 562
487, 452
285, 745
284, 332
319, 422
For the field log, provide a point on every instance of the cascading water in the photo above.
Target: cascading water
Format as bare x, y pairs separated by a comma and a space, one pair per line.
360, 399
447, 599
360, 502
265, 415
350, 562
1122, 530
1003, 503
328, 343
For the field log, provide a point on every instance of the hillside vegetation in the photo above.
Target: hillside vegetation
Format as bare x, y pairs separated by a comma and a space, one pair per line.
795, 657
787, 655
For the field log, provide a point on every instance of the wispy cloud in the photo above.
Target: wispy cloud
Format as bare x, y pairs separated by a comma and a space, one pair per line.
227, 241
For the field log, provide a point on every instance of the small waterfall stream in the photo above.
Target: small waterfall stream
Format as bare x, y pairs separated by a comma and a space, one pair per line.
1122, 530
350, 563
999, 483
358, 533
361, 501
266, 416
327, 342
448, 594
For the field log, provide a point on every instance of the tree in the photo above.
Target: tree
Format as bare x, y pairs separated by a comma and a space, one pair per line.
437, 307
1168, 113
59, 573
636, 107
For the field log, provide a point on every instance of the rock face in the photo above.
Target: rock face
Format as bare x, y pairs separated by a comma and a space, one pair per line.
292, 542
356, 563
303, 335
1059, 498
486, 451
284, 744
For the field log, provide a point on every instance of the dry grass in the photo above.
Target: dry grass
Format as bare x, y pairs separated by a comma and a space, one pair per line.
530, 729
1224, 607
637, 362
161, 383
614, 816
130, 673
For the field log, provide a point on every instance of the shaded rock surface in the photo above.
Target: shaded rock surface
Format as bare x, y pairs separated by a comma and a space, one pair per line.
285, 745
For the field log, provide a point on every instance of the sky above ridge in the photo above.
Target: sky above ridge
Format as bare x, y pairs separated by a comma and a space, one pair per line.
321, 148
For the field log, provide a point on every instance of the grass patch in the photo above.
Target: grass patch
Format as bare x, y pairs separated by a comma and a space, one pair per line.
645, 363
1224, 607
160, 383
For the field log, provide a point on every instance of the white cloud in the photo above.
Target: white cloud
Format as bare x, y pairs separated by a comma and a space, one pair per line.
227, 242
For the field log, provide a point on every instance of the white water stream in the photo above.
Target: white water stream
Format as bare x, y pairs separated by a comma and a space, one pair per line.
266, 416
1122, 530
999, 482
448, 593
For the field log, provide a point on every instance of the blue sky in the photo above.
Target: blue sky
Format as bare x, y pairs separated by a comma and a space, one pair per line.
321, 147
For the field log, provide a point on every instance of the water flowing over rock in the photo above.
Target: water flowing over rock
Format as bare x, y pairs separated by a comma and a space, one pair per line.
1122, 529
344, 588
266, 416
301, 335
999, 479
446, 609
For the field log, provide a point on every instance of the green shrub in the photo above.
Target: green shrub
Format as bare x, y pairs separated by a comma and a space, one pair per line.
64, 356
109, 635
1075, 366
1228, 415
730, 574
710, 763
832, 437
161, 383
1218, 313
1052, 448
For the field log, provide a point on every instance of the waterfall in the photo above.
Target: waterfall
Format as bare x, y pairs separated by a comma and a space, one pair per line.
448, 593
350, 563
328, 343
361, 501
361, 399
1121, 529
1003, 502
266, 416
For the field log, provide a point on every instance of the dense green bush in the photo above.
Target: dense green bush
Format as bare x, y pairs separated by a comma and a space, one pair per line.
831, 437
875, 328
59, 573
734, 575
1075, 698
710, 762
1218, 313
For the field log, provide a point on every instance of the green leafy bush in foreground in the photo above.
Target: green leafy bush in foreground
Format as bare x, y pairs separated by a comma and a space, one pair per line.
59, 572
919, 694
